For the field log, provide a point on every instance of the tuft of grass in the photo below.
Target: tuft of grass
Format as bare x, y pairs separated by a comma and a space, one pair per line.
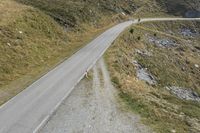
116, 81
135, 104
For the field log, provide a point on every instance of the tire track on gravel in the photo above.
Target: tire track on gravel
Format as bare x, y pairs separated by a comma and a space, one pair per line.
93, 108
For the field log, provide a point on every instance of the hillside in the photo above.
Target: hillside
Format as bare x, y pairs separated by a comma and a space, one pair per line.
156, 67
186, 8
72, 13
32, 42
28, 39
161, 8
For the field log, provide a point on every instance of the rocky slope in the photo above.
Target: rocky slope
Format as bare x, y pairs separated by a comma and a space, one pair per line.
156, 67
182, 8
186, 8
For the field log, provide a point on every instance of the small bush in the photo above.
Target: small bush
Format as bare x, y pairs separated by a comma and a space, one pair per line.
131, 31
115, 80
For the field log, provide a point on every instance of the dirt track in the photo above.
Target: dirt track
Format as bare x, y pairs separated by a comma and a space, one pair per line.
93, 108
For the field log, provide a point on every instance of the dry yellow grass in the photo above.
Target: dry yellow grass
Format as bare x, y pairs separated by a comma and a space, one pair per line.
9, 9
32, 43
158, 108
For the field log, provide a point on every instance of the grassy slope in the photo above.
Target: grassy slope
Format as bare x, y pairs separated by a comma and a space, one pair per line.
32, 42
158, 107
72, 13
179, 7
162, 8
27, 39
180, 61
150, 8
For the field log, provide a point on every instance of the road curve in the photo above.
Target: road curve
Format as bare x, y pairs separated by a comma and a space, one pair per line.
29, 110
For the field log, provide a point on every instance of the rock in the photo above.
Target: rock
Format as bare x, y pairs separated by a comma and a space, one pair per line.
188, 32
143, 74
194, 123
184, 93
20, 32
90, 126
143, 52
8, 44
183, 68
192, 14
197, 66
198, 48
162, 42
136, 63
173, 131
123, 14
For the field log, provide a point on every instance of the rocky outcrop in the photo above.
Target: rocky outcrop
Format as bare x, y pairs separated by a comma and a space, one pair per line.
184, 93
143, 74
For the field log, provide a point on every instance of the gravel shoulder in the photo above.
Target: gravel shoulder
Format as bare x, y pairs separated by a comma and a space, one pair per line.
93, 108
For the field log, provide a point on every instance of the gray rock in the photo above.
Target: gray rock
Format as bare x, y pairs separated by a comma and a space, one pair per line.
187, 32
143, 74
197, 66
162, 42
184, 93
143, 52
192, 14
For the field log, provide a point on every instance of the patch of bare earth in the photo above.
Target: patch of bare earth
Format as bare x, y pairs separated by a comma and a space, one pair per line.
93, 107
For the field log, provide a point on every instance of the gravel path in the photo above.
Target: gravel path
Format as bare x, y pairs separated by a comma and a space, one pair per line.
92, 108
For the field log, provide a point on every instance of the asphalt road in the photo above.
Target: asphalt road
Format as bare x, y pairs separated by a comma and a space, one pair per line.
28, 111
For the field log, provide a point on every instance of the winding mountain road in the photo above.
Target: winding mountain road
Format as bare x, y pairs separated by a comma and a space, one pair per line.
29, 111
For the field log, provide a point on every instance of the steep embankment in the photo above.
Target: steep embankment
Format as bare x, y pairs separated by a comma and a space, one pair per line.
161, 8
186, 8
73, 13
31, 41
